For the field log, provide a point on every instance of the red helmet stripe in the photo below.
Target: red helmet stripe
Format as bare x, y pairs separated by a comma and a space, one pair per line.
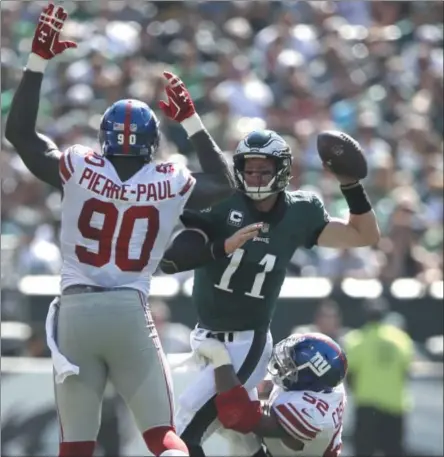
126, 128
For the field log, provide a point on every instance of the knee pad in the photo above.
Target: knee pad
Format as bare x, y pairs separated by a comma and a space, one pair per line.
161, 440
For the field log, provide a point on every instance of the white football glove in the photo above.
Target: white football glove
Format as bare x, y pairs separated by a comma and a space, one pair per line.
214, 352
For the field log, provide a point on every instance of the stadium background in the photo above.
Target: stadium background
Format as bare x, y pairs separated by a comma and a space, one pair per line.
373, 69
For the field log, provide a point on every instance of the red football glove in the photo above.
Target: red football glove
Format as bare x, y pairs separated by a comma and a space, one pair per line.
236, 411
46, 42
179, 105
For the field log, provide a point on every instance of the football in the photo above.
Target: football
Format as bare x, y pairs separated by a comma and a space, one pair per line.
342, 154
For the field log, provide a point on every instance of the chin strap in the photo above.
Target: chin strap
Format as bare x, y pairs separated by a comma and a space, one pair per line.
253, 197
252, 191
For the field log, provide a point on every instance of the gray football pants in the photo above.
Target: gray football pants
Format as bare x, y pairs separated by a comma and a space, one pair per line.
110, 335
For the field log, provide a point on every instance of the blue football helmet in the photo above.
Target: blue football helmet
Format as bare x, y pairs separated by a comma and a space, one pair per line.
263, 144
309, 361
129, 128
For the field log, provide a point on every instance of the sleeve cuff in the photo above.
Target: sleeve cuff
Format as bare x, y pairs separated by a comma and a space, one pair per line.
192, 125
36, 63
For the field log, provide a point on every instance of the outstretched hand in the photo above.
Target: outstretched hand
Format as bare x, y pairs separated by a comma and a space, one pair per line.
179, 105
46, 42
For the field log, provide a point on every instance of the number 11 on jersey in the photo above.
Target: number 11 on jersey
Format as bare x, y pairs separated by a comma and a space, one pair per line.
267, 262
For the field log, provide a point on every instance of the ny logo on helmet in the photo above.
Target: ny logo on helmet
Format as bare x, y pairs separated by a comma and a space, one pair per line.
319, 365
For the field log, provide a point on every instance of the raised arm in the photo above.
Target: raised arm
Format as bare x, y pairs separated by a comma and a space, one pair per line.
360, 229
37, 151
345, 159
215, 182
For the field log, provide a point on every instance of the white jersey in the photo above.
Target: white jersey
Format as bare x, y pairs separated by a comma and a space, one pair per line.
314, 418
114, 233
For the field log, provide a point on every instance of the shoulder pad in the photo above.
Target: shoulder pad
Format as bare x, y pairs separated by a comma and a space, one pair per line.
75, 158
182, 181
303, 195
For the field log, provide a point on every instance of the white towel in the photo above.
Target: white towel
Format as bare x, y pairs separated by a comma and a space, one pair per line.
63, 367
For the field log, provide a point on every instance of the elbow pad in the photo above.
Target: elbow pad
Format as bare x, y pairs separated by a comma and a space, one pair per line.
236, 411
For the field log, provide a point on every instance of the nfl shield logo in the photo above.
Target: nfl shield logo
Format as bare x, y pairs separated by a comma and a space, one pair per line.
265, 228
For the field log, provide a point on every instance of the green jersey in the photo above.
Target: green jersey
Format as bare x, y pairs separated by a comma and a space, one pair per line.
239, 292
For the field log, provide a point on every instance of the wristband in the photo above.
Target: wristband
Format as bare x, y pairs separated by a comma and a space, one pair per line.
36, 63
192, 125
356, 198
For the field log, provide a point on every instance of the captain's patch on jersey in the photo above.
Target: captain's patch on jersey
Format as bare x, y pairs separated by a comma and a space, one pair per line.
235, 218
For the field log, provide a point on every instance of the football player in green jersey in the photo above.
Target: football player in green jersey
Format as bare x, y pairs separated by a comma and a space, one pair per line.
240, 250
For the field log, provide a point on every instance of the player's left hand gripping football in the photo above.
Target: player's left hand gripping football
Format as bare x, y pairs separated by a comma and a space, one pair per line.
179, 105
46, 43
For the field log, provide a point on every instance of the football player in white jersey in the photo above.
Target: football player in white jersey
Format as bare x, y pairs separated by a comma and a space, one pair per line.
118, 211
303, 415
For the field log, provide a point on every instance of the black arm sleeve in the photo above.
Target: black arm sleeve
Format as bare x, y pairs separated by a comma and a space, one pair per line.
216, 182
206, 222
189, 250
38, 152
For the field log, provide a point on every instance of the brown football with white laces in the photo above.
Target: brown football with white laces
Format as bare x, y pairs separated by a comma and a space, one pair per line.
342, 154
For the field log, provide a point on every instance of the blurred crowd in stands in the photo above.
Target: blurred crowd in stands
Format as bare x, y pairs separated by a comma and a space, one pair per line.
373, 69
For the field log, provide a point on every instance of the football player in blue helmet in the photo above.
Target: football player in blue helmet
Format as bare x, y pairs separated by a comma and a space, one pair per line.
129, 128
262, 164
129, 139
293, 364
305, 409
